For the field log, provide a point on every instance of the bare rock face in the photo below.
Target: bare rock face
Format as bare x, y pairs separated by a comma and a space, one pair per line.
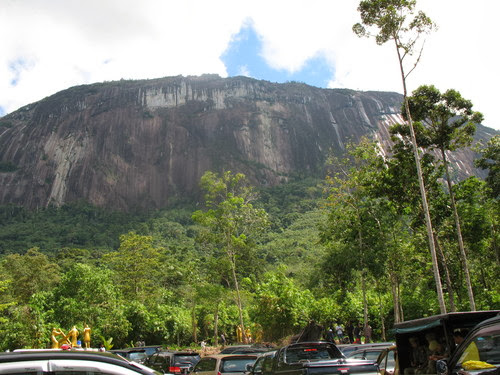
139, 144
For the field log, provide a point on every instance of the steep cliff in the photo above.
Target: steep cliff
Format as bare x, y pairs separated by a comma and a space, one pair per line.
139, 144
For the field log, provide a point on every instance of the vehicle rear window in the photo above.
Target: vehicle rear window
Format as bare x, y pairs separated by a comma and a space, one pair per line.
186, 358
236, 364
317, 352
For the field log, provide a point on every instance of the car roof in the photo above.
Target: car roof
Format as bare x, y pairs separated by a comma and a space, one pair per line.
219, 356
468, 317
178, 352
128, 350
102, 357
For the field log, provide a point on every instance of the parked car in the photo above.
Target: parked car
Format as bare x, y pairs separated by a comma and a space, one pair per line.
315, 358
132, 354
478, 353
224, 364
68, 362
173, 362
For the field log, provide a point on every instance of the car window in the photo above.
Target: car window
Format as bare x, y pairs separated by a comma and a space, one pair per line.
258, 364
372, 355
186, 359
235, 364
484, 347
137, 356
268, 363
158, 359
206, 364
297, 354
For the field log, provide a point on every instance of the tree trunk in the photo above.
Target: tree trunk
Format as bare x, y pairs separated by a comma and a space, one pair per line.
463, 255
216, 324
365, 302
395, 299
401, 312
382, 322
193, 322
451, 297
238, 298
425, 206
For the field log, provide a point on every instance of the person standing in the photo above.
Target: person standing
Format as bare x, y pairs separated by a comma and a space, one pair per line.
223, 340
349, 329
329, 335
368, 333
340, 333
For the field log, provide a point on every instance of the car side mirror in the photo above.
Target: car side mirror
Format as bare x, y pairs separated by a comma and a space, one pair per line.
441, 367
249, 367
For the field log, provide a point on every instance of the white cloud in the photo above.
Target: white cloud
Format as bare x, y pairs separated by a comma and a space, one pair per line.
70, 42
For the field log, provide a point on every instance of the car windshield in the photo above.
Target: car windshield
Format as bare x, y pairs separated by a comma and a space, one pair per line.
236, 364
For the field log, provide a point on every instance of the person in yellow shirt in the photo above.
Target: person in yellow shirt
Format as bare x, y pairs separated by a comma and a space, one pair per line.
471, 353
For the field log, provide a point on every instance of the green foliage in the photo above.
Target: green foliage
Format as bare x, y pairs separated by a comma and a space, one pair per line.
136, 265
76, 225
168, 278
281, 307
7, 167
29, 273
490, 160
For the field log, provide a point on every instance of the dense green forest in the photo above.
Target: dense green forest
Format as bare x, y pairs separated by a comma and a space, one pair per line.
350, 247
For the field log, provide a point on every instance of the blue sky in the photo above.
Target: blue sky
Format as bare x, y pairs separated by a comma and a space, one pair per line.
53, 45
244, 57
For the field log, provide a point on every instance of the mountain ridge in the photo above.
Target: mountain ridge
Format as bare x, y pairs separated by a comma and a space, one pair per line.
142, 144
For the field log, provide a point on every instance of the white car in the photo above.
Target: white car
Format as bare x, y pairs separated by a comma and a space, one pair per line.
73, 362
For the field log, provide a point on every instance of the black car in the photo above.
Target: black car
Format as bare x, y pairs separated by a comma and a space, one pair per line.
173, 362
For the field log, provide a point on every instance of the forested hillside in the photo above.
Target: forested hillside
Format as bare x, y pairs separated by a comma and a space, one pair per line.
322, 250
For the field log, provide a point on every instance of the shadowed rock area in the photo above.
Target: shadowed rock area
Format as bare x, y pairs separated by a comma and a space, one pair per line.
137, 145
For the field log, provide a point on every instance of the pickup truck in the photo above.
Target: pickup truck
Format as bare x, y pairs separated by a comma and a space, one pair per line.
312, 358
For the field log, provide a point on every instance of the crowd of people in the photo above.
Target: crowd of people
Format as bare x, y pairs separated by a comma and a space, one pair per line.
350, 333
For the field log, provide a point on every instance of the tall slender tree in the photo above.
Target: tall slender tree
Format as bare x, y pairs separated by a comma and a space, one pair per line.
450, 124
231, 221
396, 21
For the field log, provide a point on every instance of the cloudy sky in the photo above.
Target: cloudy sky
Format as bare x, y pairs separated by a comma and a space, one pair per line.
50, 45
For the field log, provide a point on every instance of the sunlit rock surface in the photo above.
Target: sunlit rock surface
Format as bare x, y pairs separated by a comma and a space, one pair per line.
142, 144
